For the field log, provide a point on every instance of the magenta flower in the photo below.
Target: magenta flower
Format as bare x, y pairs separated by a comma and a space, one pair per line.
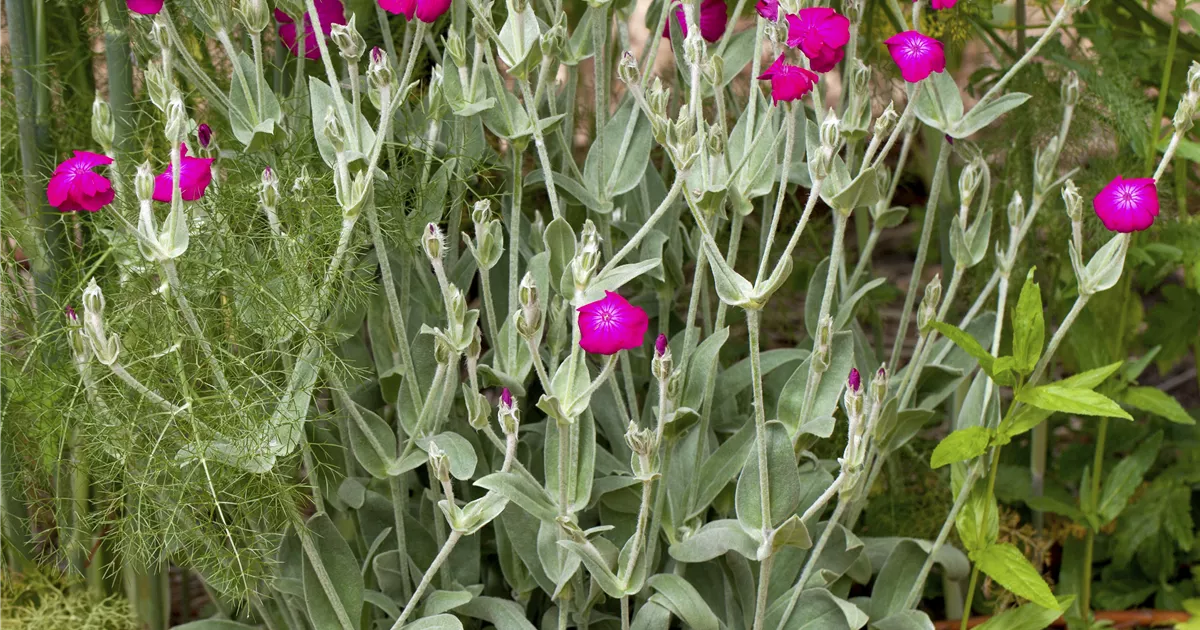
768, 9
611, 324
942, 4
788, 82
144, 7
506, 397
660, 345
75, 186
329, 12
855, 381
821, 34
917, 55
713, 14
427, 11
1127, 205
195, 174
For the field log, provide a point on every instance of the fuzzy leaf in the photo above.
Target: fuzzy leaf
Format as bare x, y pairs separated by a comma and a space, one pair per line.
783, 479
682, 599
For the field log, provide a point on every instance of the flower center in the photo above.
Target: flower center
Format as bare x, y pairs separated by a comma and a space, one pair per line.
1127, 197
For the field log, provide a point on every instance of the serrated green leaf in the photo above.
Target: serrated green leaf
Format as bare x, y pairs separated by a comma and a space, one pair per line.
1155, 401
1029, 328
1005, 564
1082, 402
960, 446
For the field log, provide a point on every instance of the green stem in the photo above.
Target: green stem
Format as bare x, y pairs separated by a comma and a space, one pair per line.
1085, 590
810, 563
1163, 88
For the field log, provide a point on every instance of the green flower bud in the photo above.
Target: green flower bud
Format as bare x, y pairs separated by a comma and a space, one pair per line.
177, 120
1016, 210
268, 193
434, 243
143, 182
349, 42
481, 212
879, 387
627, 69
644, 446
456, 48
106, 347
587, 257
439, 462
1070, 89
353, 200
1044, 164
830, 132
255, 15
529, 319
823, 345
715, 139
1193, 77
927, 311
1073, 201
103, 127
479, 410
81, 351
1185, 113
333, 130
379, 72
968, 183
475, 348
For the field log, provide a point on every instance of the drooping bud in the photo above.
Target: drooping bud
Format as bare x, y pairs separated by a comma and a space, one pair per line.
927, 311
434, 243
268, 193
508, 414
254, 15
439, 463
879, 386
1070, 89
529, 320
106, 347
644, 446
660, 365
349, 42
627, 70
103, 127
333, 130
1016, 210
886, 121
177, 120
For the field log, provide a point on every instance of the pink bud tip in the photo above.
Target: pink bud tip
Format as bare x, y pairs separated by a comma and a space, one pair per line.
71, 314
204, 135
855, 381
881, 372
506, 397
377, 55
660, 344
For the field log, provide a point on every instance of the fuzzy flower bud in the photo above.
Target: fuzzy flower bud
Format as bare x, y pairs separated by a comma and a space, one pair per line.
627, 70
80, 349
1070, 89
927, 311
823, 345
333, 130
268, 193
1186, 112
379, 70
177, 120
1016, 210
657, 98
831, 133
1044, 164
103, 128
456, 48
552, 40
349, 42
106, 347
1072, 200
508, 414
255, 15
439, 462
715, 70
216, 13
475, 348
968, 183
853, 399
160, 35
886, 121
860, 77
587, 258
143, 183
715, 139
529, 320
879, 386
1193, 77
481, 212
644, 444
156, 86
353, 200
660, 365
434, 243
479, 410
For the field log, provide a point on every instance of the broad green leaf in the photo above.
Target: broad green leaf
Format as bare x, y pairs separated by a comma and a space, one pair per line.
904, 620
371, 439
1155, 401
614, 279
435, 622
939, 103
1005, 564
502, 613
337, 561
1124, 478
980, 117
978, 522
816, 609
1043, 503
1024, 420
833, 382
1028, 617
863, 191
701, 364
559, 240
1029, 328
1083, 402
896, 578
964, 340
713, 540
519, 37
651, 616
722, 467
603, 174
520, 490
682, 599
783, 479
1091, 379
458, 450
961, 445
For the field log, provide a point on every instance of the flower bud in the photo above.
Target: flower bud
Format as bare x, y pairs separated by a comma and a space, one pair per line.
333, 130
456, 307
551, 43
268, 193
434, 243
353, 200
204, 135
684, 127
657, 98
927, 311
675, 384
1185, 113
1072, 200
853, 399
822, 345
1045, 163
660, 365
456, 48
156, 85
255, 15
475, 348
879, 386
442, 352
860, 78
587, 257
177, 120
479, 410
529, 320
77, 339
968, 183
106, 347
715, 139
439, 462
216, 13
627, 70
1016, 210
644, 446
143, 183
831, 134
821, 162
886, 121
379, 71
1193, 77
160, 35
508, 414
302, 185
715, 71
349, 42
853, 10
481, 212
1070, 89
103, 127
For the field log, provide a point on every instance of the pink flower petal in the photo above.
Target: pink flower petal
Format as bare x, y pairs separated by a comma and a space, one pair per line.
1127, 205
75, 186
768, 9
144, 7
429, 11
611, 324
713, 14
916, 55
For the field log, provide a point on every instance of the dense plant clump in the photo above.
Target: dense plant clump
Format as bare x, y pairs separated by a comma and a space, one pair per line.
444, 314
